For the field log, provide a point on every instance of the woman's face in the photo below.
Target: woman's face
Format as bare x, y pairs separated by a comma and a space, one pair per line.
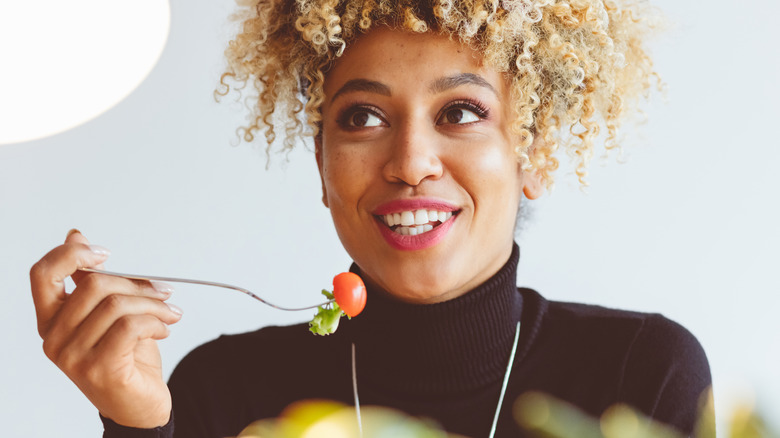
417, 164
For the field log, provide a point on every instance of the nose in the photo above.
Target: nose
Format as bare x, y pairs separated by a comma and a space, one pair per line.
414, 156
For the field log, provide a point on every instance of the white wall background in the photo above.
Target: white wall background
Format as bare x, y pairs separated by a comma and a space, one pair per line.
688, 227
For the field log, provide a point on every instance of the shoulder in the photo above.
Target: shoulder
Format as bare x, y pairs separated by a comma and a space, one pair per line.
586, 327
641, 333
651, 340
655, 364
666, 356
560, 311
663, 341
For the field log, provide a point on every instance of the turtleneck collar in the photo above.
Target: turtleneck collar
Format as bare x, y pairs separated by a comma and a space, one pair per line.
449, 347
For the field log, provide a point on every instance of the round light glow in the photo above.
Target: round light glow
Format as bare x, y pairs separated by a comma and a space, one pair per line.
66, 62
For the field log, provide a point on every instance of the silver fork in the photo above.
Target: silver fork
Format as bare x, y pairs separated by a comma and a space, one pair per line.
206, 283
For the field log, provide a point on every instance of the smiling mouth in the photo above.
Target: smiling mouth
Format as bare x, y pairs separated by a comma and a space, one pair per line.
415, 222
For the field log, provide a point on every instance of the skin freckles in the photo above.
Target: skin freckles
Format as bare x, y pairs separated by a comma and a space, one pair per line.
418, 117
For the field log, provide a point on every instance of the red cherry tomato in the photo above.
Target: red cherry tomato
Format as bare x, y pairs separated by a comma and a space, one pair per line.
350, 293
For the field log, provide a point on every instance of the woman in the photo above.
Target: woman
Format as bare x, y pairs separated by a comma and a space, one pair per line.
431, 123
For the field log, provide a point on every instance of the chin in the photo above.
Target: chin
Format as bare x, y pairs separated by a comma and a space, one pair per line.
420, 296
421, 289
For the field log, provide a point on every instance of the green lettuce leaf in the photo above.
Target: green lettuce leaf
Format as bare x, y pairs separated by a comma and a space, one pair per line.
326, 320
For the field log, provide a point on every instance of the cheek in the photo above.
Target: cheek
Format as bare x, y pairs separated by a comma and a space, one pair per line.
489, 173
345, 176
333, 178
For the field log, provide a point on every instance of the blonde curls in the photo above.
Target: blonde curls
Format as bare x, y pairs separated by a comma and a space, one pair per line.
576, 66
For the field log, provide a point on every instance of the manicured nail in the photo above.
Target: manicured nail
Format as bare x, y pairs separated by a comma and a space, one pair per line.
72, 231
162, 287
99, 250
174, 308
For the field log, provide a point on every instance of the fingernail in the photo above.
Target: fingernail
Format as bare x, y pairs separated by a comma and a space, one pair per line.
162, 287
175, 309
72, 231
100, 250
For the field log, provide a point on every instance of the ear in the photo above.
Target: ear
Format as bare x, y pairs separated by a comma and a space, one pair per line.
532, 181
318, 156
532, 184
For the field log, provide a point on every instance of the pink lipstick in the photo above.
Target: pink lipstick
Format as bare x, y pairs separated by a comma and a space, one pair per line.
414, 224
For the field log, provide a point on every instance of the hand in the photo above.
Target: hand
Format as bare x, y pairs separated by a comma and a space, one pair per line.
103, 335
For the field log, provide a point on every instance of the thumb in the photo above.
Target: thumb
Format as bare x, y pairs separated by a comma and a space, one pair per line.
75, 236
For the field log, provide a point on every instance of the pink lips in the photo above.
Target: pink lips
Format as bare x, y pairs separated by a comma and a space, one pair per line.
420, 241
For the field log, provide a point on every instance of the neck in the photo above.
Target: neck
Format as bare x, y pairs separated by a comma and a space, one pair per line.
451, 346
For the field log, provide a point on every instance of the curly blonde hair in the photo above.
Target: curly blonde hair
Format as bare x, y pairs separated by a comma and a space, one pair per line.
575, 66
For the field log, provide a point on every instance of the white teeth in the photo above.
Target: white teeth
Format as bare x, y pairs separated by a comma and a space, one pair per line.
421, 217
412, 223
407, 218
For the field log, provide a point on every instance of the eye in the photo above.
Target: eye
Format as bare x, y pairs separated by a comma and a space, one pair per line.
362, 119
456, 116
462, 112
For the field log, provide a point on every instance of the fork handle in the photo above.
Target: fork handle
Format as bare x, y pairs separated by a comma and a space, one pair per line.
202, 282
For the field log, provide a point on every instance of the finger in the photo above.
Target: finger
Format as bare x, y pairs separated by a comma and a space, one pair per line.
111, 310
47, 276
123, 336
75, 236
91, 291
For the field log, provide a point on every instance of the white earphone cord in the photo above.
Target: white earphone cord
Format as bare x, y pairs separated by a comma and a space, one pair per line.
355, 392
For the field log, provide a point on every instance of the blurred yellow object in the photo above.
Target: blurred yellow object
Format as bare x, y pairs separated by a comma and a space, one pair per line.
540, 414
621, 421
321, 418
303, 415
545, 416
746, 423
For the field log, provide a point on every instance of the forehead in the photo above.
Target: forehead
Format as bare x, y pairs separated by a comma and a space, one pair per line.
400, 59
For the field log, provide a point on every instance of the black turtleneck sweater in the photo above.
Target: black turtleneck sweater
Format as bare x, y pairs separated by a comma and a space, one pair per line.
445, 361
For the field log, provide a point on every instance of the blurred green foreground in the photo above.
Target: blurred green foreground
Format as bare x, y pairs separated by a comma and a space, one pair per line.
539, 414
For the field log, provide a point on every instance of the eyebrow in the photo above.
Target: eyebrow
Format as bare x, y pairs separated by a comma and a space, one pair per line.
354, 85
437, 86
449, 82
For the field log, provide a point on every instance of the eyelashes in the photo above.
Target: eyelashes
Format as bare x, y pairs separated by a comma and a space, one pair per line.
360, 115
453, 111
